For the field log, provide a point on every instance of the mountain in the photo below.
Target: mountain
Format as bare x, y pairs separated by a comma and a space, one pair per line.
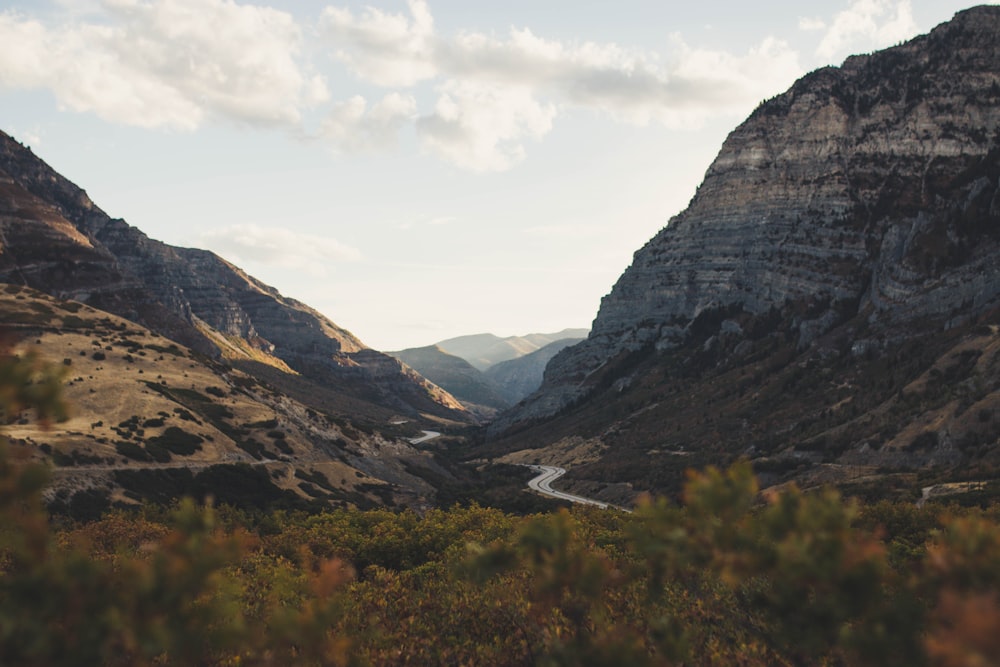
457, 376
486, 390
154, 420
520, 377
55, 239
485, 350
826, 305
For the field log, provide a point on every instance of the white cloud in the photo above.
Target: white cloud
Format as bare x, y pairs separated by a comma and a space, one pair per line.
386, 49
703, 82
634, 85
279, 247
481, 126
166, 63
30, 136
811, 24
352, 126
499, 92
180, 63
867, 25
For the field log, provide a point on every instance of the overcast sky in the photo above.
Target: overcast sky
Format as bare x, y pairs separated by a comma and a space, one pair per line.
414, 170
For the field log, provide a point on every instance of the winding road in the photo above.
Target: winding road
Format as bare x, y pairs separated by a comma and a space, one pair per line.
427, 435
547, 475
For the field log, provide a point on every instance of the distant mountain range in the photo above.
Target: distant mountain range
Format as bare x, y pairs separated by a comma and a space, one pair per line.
488, 373
485, 350
828, 305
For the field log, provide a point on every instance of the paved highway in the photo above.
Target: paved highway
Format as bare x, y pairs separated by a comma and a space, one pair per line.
547, 475
428, 435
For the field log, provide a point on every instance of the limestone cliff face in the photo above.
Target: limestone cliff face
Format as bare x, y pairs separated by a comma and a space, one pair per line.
870, 187
53, 238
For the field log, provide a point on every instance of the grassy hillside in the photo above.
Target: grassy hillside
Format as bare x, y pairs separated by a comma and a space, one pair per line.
150, 419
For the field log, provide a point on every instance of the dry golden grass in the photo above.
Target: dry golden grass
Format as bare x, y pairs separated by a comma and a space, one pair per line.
127, 386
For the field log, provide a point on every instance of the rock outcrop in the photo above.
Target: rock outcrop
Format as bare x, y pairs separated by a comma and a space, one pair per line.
55, 239
869, 188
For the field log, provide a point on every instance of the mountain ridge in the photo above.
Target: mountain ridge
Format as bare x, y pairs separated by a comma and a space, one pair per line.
485, 350
151, 420
457, 376
847, 220
490, 386
57, 240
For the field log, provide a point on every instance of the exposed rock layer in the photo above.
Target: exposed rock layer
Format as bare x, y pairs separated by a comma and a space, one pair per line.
871, 187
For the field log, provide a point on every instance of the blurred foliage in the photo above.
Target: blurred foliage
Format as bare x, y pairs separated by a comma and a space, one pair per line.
727, 577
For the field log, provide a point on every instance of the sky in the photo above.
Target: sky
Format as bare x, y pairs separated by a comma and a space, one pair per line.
413, 169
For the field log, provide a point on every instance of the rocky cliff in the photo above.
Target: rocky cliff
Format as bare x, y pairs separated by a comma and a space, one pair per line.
54, 238
827, 306
867, 188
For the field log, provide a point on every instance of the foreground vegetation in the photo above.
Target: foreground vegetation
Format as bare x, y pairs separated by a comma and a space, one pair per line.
804, 579
726, 578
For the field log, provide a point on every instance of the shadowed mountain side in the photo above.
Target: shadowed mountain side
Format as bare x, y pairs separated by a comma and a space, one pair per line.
56, 240
517, 378
454, 374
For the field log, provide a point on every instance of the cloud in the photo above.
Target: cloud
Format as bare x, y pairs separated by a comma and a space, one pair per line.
166, 63
632, 85
476, 100
279, 247
482, 127
638, 86
497, 93
866, 25
352, 127
386, 49
811, 24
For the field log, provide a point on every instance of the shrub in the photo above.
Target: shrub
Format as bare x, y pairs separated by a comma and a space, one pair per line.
178, 441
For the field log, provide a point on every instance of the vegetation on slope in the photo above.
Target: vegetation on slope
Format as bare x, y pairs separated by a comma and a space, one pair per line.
727, 577
152, 419
873, 416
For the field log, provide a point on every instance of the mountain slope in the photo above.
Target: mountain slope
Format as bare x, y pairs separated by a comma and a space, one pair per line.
150, 419
485, 350
519, 377
56, 240
842, 249
455, 375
